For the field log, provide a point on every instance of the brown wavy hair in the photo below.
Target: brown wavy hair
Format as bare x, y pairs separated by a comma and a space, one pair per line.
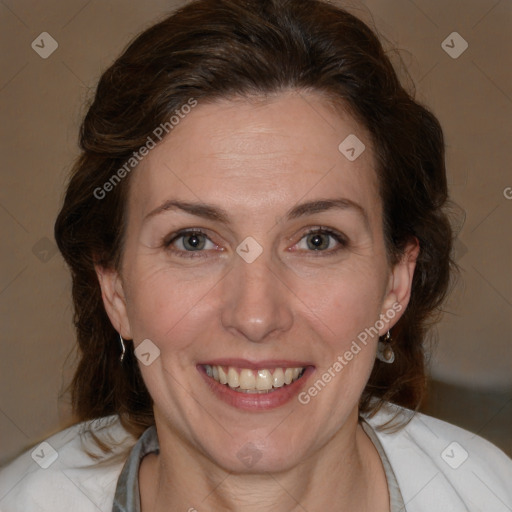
212, 49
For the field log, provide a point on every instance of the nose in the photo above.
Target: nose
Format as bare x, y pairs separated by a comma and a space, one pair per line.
256, 303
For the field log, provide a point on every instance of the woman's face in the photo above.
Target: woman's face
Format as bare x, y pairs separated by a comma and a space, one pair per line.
285, 268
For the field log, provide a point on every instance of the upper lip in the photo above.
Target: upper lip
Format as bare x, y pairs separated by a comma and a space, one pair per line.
256, 365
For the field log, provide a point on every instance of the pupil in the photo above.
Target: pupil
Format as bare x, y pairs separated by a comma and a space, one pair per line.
316, 240
193, 241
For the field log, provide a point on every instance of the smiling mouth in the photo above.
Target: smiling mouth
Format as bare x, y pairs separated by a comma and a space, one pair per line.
245, 380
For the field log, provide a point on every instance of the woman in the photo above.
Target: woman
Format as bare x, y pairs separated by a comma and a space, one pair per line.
257, 237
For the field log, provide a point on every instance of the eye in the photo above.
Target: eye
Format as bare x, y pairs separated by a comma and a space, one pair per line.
189, 241
323, 240
192, 243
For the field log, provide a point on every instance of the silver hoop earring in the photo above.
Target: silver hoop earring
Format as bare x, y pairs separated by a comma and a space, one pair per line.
385, 352
123, 349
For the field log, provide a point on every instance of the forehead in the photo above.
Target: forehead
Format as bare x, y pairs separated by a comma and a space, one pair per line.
258, 157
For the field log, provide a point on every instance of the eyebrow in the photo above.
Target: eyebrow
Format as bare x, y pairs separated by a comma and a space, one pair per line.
211, 212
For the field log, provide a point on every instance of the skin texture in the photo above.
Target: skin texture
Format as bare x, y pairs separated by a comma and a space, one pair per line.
257, 159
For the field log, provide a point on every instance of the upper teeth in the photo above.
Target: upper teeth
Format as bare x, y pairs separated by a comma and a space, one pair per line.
253, 380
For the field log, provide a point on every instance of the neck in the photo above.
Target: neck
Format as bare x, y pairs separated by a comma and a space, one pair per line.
346, 471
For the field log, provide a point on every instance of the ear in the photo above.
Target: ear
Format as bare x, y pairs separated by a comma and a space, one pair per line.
114, 300
400, 285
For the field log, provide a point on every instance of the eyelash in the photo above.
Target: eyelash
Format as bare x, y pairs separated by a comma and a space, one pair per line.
343, 242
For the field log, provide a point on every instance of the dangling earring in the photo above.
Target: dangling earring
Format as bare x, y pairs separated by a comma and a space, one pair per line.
384, 350
123, 350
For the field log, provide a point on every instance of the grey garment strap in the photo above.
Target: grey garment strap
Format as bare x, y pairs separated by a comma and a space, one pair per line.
127, 495
396, 501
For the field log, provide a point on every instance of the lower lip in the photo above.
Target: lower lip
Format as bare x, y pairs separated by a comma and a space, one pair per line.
256, 401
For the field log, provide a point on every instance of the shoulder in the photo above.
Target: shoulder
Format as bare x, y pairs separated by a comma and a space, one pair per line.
60, 475
440, 466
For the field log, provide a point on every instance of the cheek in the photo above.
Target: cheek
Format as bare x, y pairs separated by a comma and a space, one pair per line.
346, 306
346, 318
345, 300
167, 305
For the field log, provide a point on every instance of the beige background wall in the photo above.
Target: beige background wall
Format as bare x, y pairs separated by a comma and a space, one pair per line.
41, 101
